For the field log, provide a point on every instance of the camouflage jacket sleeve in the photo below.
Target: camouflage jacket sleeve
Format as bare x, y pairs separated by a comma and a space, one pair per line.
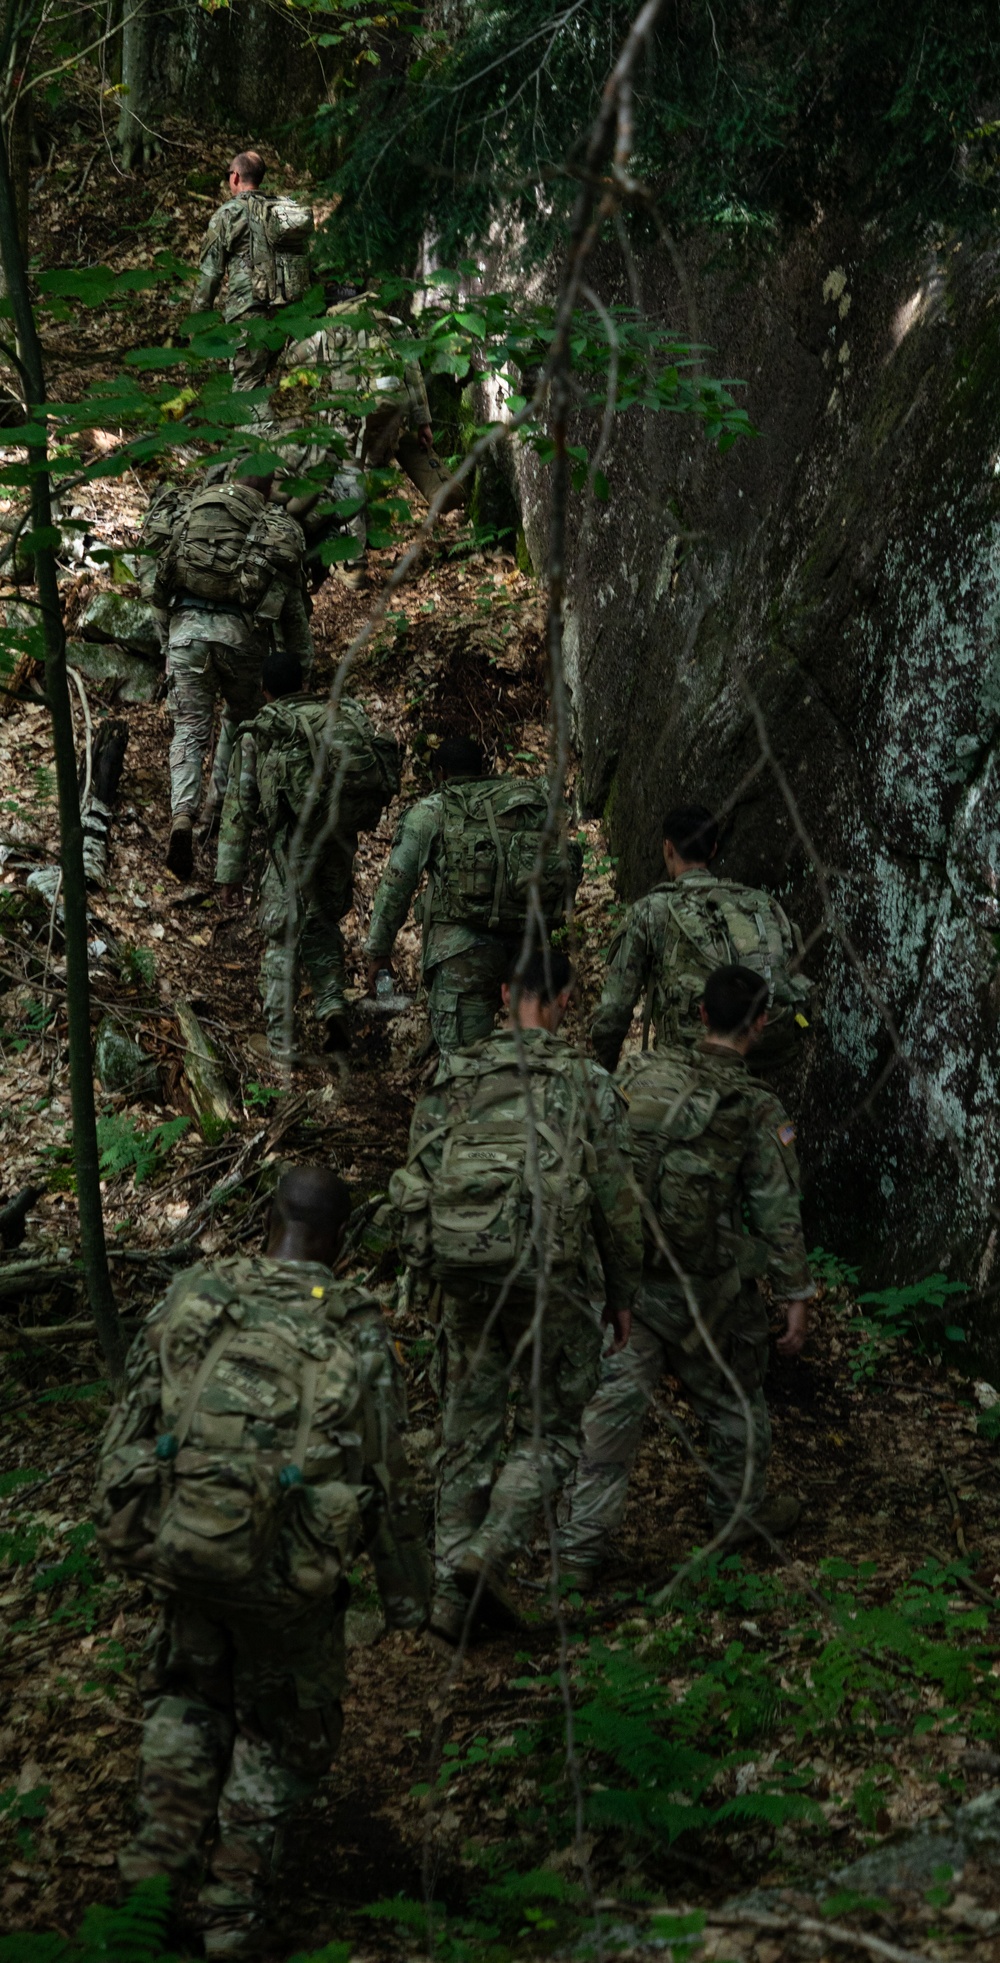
395, 1537
411, 850
211, 262
630, 959
771, 1191
240, 811
617, 1217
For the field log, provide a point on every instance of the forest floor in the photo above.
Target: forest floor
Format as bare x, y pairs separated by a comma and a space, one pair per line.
806, 1710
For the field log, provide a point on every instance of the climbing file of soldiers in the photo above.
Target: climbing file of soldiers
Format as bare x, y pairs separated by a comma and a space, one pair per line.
574, 1228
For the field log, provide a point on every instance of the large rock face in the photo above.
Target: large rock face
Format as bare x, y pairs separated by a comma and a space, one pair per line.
838, 579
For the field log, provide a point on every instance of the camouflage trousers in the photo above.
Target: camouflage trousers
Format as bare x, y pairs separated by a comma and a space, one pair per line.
242, 1717
479, 1510
253, 365
463, 993
317, 944
594, 1503
346, 487
198, 674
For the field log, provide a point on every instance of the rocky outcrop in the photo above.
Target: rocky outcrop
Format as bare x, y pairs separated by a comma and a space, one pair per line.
839, 576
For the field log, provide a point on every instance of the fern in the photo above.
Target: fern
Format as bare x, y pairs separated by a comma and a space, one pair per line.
123, 1147
134, 1932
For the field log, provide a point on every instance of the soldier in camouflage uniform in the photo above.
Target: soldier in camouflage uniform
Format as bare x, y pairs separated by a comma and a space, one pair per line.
676, 935
463, 969
227, 257
317, 941
212, 650
492, 1327
383, 415
243, 1708
764, 1186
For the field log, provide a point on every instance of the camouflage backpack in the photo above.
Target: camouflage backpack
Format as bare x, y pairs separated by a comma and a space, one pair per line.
472, 1218
226, 545
492, 838
250, 1489
709, 923
162, 517
281, 230
690, 1125
361, 767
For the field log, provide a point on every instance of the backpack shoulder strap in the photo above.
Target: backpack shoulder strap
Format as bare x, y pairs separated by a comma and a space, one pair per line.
214, 1352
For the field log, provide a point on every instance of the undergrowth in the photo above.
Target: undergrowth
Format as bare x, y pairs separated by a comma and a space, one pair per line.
684, 1725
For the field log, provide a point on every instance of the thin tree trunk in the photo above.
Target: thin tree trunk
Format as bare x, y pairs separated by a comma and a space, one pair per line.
92, 1245
136, 140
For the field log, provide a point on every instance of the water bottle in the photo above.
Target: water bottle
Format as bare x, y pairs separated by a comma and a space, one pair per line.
383, 985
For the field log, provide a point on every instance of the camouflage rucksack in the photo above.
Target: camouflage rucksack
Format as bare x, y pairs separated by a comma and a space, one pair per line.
280, 233
690, 1125
473, 1219
491, 840
226, 545
158, 526
709, 923
361, 767
250, 1489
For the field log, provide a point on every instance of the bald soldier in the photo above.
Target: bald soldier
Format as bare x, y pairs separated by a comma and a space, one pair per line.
257, 247
255, 1452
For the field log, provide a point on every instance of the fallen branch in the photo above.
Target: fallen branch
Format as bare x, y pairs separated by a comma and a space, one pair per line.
211, 1094
41, 1330
812, 1925
262, 1142
22, 1492
27, 1277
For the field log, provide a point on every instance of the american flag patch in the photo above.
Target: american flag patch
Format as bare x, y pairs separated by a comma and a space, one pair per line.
786, 1134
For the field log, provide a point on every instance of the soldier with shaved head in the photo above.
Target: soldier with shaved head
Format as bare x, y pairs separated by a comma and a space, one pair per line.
257, 246
255, 1451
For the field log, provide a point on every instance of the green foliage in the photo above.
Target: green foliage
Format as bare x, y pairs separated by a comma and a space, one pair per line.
124, 1148
895, 1315
260, 1095
33, 1018
848, 1902
748, 120
831, 1270
133, 1932
17, 1808
988, 1423
663, 1724
138, 968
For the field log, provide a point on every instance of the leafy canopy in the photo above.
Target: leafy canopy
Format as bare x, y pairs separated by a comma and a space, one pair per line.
747, 118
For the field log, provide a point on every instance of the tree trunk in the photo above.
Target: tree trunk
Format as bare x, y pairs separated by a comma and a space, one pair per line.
137, 140
92, 1245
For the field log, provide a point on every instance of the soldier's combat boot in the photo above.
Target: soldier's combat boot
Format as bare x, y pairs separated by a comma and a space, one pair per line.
180, 851
448, 1619
574, 1575
480, 1582
354, 575
775, 1517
